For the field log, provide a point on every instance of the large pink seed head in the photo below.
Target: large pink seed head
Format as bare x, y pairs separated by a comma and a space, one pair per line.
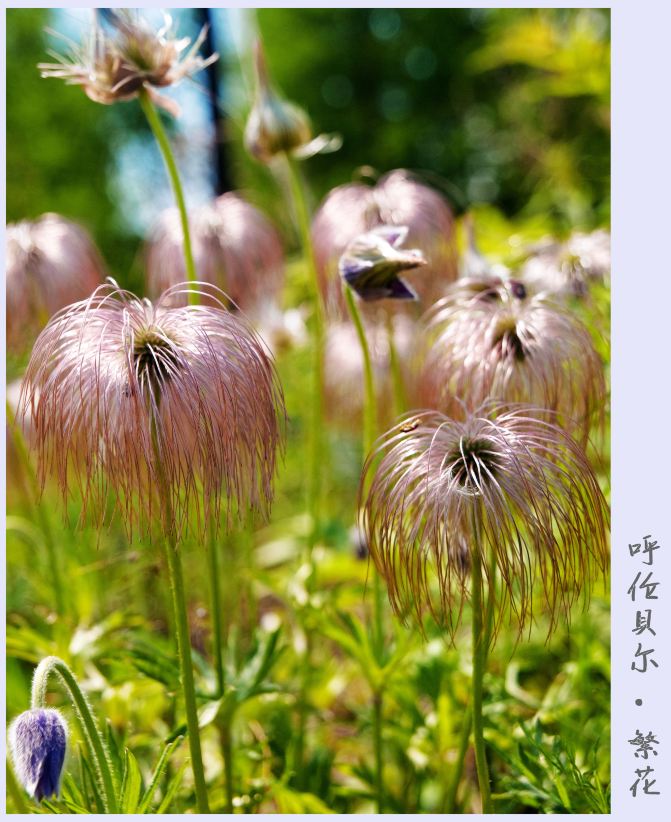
51, 262
398, 199
111, 373
489, 340
235, 247
504, 482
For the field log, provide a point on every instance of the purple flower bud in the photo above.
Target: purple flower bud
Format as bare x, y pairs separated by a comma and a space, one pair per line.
37, 741
371, 264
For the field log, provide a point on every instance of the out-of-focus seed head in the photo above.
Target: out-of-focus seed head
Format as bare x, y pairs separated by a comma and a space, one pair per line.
503, 482
114, 379
498, 343
112, 67
398, 199
567, 269
371, 263
37, 743
235, 248
51, 262
274, 126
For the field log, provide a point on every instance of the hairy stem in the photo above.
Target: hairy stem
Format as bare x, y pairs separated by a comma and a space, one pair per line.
174, 563
377, 742
216, 609
97, 749
369, 431
227, 750
398, 384
154, 120
480, 643
316, 456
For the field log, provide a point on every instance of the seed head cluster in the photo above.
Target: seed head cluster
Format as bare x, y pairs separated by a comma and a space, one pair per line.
132, 400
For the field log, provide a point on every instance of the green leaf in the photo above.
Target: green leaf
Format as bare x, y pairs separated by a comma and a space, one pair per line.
131, 787
161, 765
172, 789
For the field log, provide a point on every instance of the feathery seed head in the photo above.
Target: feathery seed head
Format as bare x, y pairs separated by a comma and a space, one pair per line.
51, 262
115, 67
114, 379
495, 342
235, 247
568, 268
37, 743
503, 481
397, 199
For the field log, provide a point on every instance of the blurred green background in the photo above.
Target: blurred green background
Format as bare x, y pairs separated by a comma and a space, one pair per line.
505, 107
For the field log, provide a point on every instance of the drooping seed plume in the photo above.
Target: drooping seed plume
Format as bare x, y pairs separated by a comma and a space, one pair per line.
488, 339
115, 380
125, 55
235, 247
37, 743
398, 199
51, 262
503, 481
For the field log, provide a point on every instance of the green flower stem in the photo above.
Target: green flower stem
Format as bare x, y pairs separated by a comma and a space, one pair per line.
154, 120
316, 455
369, 432
227, 749
397, 382
42, 516
95, 744
453, 786
369, 413
218, 654
377, 742
174, 562
480, 647
216, 609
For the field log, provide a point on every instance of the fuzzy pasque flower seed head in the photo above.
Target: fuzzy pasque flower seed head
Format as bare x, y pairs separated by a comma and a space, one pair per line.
37, 743
114, 380
51, 262
234, 248
489, 340
503, 481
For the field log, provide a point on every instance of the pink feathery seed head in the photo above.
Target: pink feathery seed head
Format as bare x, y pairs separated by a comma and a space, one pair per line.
499, 343
568, 268
115, 379
398, 199
51, 262
124, 55
344, 368
503, 482
235, 248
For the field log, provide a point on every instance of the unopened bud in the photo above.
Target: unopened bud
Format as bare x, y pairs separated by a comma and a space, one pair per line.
37, 741
372, 261
274, 125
